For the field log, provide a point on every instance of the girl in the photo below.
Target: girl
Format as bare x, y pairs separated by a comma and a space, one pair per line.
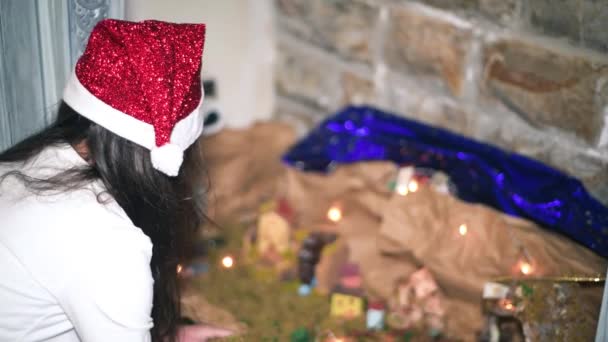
97, 209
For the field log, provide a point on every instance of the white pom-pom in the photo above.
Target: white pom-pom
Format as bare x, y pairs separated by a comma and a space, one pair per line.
167, 159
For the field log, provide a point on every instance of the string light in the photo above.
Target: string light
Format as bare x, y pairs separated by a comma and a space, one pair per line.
412, 186
525, 268
523, 265
227, 261
334, 214
463, 229
402, 189
507, 304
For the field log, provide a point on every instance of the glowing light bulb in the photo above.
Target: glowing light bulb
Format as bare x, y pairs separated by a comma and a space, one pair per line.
506, 304
179, 268
412, 186
525, 268
227, 261
463, 229
334, 214
402, 189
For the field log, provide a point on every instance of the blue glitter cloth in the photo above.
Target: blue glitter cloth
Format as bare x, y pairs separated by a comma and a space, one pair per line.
481, 173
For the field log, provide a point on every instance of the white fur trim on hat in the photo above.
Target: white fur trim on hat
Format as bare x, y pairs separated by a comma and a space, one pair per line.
184, 134
167, 159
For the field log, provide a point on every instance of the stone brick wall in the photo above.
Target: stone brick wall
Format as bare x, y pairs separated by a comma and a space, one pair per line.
530, 76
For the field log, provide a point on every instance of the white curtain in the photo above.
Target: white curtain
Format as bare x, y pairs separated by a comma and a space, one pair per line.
39, 42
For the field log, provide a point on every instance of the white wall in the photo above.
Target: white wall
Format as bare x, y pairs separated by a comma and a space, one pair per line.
239, 49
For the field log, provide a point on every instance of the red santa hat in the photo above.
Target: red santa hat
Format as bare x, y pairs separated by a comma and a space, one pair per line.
142, 82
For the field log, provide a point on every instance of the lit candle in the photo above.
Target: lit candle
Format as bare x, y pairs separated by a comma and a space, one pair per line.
179, 268
334, 214
462, 229
227, 261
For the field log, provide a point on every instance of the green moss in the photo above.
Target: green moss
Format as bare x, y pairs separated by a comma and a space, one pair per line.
271, 309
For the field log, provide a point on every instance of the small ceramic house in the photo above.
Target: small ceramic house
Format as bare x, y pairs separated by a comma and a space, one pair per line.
273, 232
375, 316
345, 305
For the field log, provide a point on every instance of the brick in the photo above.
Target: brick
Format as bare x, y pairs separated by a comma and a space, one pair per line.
581, 21
422, 44
505, 130
546, 87
342, 26
300, 117
356, 89
504, 11
413, 101
295, 8
444, 114
453, 4
302, 76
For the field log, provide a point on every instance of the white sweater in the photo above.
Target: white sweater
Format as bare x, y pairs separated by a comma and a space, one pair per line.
71, 268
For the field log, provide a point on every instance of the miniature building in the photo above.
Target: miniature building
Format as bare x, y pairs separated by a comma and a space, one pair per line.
273, 232
375, 316
346, 305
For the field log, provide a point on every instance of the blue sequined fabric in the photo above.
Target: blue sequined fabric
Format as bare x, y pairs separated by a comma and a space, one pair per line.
481, 173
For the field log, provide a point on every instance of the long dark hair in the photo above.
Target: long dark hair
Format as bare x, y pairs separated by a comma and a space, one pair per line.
168, 210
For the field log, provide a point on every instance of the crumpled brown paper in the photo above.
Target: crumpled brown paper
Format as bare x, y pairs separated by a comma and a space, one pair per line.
388, 235
426, 225
244, 168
